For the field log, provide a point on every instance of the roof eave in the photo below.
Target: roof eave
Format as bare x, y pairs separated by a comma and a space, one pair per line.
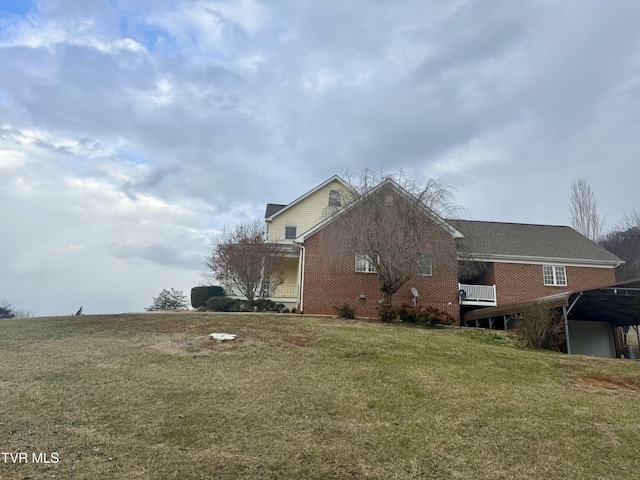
493, 257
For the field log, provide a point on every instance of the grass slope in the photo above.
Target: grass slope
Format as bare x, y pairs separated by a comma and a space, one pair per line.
149, 396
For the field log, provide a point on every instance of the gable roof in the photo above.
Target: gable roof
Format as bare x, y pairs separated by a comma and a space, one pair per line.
432, 215
497, 240
274, 209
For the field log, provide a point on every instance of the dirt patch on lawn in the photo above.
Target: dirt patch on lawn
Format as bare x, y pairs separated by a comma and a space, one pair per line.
610, 384
204, 346
199, 346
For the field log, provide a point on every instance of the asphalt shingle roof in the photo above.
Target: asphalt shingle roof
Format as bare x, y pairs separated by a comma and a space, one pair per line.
526, 240
273, 208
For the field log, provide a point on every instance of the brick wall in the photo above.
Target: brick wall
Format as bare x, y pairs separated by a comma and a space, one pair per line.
328, 283
517, 282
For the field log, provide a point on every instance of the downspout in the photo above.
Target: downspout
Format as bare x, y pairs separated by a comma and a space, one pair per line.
301, 275
304, 257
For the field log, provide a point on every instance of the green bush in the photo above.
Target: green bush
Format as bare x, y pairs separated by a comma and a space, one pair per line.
200, 295
222, 304
228, 304
167, 300
345, 311
263, 305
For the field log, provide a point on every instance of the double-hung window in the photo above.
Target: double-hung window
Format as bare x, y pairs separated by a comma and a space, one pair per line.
425, 268
554, 275
290, 233
364, 263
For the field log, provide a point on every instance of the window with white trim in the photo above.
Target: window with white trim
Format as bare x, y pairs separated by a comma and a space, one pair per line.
554, 275
290, 233
364, 263
425, 267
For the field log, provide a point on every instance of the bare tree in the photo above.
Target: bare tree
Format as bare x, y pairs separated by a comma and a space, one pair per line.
243, 258
624, 241
392, 223
584, 211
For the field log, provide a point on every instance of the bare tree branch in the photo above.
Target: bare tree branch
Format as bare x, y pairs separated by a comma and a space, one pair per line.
584, 211
242, 257
394, 222
624, 242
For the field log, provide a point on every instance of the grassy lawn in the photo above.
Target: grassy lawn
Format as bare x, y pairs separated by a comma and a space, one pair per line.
150, 396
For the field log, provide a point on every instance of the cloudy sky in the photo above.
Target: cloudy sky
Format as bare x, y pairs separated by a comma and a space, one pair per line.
130, 130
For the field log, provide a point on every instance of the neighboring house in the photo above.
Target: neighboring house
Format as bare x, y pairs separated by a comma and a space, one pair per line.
519, 261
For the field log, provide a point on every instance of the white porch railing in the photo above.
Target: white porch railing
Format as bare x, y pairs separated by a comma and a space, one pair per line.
286, 290
477, 294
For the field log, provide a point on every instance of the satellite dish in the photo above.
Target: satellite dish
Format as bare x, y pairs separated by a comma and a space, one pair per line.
414, 291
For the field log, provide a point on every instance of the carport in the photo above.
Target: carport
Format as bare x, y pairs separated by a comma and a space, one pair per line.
596, 321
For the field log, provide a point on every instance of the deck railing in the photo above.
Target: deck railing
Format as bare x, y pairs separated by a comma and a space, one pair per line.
477, 294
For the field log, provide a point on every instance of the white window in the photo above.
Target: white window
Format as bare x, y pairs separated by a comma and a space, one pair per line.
364, 263
425, 267
554, 275
290, 233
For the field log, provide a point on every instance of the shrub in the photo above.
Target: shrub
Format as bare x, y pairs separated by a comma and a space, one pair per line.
421, 315
168, 300
345, 311
6, 309
222, 304
200, 295
285, 310
542, 328
388, 314
424, 316
264, 305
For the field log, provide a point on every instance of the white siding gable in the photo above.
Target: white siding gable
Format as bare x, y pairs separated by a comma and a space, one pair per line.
305, 214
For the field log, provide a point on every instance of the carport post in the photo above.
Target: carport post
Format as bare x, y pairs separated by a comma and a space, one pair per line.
566, 329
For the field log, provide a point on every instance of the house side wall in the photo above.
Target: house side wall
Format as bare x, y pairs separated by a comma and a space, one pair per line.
304, 215
517, 282
328, 283
290, 270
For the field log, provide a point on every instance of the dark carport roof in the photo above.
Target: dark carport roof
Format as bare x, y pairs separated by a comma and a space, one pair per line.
618, 304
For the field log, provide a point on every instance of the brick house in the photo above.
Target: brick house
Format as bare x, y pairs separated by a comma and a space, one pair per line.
518, 261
